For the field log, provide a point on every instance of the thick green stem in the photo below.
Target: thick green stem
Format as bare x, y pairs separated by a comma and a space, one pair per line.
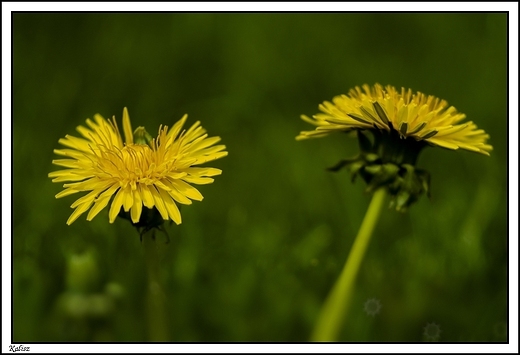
335, 309
155, 297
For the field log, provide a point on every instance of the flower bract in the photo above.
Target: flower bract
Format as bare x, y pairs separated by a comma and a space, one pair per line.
141, 171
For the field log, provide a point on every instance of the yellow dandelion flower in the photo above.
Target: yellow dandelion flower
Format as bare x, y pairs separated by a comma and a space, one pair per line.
418, 116
141, 171
402, 124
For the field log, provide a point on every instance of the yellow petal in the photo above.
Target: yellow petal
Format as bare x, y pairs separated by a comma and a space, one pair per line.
67, 176
147, 196
187, 190
85, 132
212, 157
127, 127
128, 202
171, 207
67, 163
137, 208
66, 192
91, 196
204, 143
174, 132
198, 180
79, 211
195, 171
309, 120
177, 196
443, 143
159, 203
72, 153
101, 202
75, 143
116, 205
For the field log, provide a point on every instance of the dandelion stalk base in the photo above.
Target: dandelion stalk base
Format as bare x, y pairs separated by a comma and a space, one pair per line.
155, 297
335, 309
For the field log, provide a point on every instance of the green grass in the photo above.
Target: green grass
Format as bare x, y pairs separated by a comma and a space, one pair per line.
256, 258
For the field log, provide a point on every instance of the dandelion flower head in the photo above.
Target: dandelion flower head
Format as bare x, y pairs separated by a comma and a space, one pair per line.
410, 115
402, 123
139, 171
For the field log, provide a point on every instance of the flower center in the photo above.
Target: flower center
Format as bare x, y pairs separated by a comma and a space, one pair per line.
133, 164
137, 160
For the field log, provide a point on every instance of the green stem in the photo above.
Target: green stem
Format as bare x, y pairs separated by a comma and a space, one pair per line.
335, 309
155, 297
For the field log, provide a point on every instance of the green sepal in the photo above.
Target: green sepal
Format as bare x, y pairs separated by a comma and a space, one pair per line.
383, 174
150, 219
365, 145
372, 158
374, 169
342, 163
413, 184
389, 162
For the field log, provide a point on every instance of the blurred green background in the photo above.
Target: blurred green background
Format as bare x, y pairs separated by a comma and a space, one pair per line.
255, 260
